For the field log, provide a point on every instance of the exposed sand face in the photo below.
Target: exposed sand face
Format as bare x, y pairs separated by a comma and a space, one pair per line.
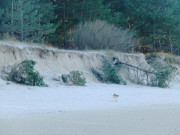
152, 120
50, 61
54, 62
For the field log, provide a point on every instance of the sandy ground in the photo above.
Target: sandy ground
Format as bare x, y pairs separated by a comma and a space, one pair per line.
89, 110
149, 120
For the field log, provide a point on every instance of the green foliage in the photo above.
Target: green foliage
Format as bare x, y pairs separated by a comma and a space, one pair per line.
24, 73
162, 69
156, 22
65, 78
47, 26
29, 20
74, 78
109, 74
1, 13
98, 74
162, 76
160, 73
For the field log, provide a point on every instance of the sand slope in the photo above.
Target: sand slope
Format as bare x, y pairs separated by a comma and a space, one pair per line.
54, 62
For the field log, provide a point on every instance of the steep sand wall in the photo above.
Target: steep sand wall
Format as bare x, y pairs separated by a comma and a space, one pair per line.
51, 62
54, 62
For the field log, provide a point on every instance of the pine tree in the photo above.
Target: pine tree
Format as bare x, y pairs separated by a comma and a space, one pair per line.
153, 20
1, 13
27, 21
46, 24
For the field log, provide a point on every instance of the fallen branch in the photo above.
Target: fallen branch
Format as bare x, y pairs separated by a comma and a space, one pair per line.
116, 61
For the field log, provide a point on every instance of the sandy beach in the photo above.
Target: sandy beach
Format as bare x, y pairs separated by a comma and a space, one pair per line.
89, 110
148, 120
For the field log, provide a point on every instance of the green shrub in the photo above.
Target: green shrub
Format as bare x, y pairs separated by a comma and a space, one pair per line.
109, 74
24, 73
162, 76
98, 74
65, 78
74, 78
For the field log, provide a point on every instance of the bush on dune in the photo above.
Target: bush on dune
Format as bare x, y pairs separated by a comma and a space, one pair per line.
24, 73
74, 78
162, 75
108, 73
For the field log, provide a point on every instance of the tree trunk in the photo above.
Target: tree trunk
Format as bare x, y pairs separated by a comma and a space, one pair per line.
154, 42
82, 8
90, 14
129, 27
139, 45
64, 19
12, 19
160, 45
170, 41
22, 21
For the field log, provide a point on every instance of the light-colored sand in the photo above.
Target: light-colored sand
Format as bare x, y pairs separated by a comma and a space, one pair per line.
89, 110
52, 62
149, 120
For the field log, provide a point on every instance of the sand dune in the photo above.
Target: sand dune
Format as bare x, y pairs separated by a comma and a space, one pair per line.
54, 62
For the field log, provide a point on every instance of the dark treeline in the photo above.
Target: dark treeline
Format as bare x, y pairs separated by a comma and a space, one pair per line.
156, 22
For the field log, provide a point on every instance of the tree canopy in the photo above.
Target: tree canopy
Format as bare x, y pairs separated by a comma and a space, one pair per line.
156, 22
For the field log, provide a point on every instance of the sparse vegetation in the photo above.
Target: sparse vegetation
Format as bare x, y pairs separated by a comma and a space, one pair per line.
150, 56
108, 74
24, 73
74, 78
102, 35
166, 57
162, 75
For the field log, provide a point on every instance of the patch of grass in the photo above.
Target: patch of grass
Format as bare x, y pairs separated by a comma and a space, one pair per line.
149, 56
167, 54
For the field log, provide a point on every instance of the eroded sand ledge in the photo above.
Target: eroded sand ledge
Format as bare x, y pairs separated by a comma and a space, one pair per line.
53, 62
